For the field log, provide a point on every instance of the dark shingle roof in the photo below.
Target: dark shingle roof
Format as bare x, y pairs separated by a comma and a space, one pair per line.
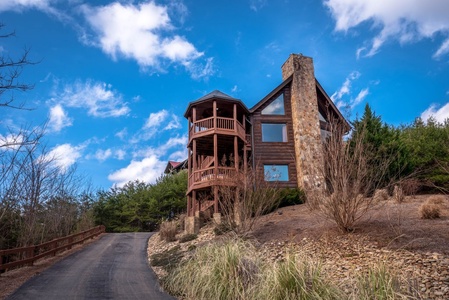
216, 94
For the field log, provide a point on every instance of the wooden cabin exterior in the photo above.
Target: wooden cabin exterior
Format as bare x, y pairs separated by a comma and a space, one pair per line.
279, 138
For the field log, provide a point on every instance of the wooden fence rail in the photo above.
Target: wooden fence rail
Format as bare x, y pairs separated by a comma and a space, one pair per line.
18, 257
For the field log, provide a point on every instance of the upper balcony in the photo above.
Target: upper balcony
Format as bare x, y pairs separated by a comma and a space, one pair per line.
218, 125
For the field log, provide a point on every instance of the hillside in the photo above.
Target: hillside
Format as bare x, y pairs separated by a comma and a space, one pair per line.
415, 249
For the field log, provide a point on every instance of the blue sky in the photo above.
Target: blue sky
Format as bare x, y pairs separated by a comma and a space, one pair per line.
115, 77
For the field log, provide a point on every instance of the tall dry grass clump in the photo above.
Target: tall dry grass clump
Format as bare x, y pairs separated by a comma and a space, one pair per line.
431, 209
296, 278
227, 270
379, 284
168, 230
436, 199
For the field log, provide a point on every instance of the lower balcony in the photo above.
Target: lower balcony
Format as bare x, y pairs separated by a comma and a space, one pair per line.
208, 177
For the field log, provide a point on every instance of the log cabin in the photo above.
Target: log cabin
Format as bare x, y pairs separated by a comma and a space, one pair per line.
280, 138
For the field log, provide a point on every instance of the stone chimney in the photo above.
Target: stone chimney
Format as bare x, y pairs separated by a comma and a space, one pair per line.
306, 123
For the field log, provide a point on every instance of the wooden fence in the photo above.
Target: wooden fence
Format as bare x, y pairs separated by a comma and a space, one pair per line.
17, 257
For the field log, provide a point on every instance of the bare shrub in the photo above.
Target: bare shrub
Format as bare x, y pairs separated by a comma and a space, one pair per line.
410, 186
429, 211
398, 194
381, 195
436, 199
247, 199
168, 230
350, 176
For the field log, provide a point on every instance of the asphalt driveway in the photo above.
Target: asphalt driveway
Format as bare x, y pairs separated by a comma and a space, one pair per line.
114, 267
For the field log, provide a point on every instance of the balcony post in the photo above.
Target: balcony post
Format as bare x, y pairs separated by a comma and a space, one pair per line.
215, 187
234, 110
194, 158
189, 201
236, 154
214, 108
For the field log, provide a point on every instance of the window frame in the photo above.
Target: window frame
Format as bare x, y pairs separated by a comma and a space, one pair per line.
284, 132
271, 103
273, 178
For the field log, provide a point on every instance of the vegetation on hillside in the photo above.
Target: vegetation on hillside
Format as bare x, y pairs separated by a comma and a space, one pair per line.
140, 206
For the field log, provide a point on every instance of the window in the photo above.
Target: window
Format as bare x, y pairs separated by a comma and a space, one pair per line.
274, 132
276, 107
320, 116
275, 172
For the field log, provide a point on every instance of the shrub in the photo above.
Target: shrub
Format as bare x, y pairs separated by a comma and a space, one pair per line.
410, 186
436, 199
381, 195
296, 278
291, 196
398, 194
168, 231
429, 211
187, 238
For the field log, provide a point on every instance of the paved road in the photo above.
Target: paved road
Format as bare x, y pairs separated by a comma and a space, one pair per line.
114, 267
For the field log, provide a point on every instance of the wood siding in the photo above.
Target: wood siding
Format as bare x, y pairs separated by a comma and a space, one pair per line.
275, 153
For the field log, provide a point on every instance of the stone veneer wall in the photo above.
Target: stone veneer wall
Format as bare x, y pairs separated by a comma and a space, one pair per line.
306, 124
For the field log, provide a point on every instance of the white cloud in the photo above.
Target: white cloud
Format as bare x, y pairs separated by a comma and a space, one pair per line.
156, 122
142, 32
180, 155
11, 141
97, 97
440, 114
102, 155
155, 119
147, 170
122, 133
120, 154
256, 5
174, 123
58, 118
360, 97
234, 89
344, 89
403, 20
64, 156
19, 5
149, 163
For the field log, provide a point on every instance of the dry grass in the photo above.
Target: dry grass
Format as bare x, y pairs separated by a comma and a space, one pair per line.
429, 211
436, 199
168, 231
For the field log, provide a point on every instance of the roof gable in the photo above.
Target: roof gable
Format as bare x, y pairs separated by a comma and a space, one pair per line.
271, 94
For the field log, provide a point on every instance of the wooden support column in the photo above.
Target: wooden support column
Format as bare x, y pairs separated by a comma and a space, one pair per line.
236, 154
214, 113
189, 203
195, 167
215, 199
234, 110
194, 203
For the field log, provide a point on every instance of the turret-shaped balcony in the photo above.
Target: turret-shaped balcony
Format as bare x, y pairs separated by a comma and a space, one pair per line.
219, 142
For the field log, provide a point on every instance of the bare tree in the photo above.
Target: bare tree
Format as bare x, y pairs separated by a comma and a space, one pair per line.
350, 178
246, 200
10, 71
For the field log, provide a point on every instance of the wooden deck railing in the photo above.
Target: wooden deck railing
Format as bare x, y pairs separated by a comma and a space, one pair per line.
227, 174
224, 124
18, 257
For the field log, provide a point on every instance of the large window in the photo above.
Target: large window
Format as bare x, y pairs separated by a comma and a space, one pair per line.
276, 107
274, 132
275, 172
